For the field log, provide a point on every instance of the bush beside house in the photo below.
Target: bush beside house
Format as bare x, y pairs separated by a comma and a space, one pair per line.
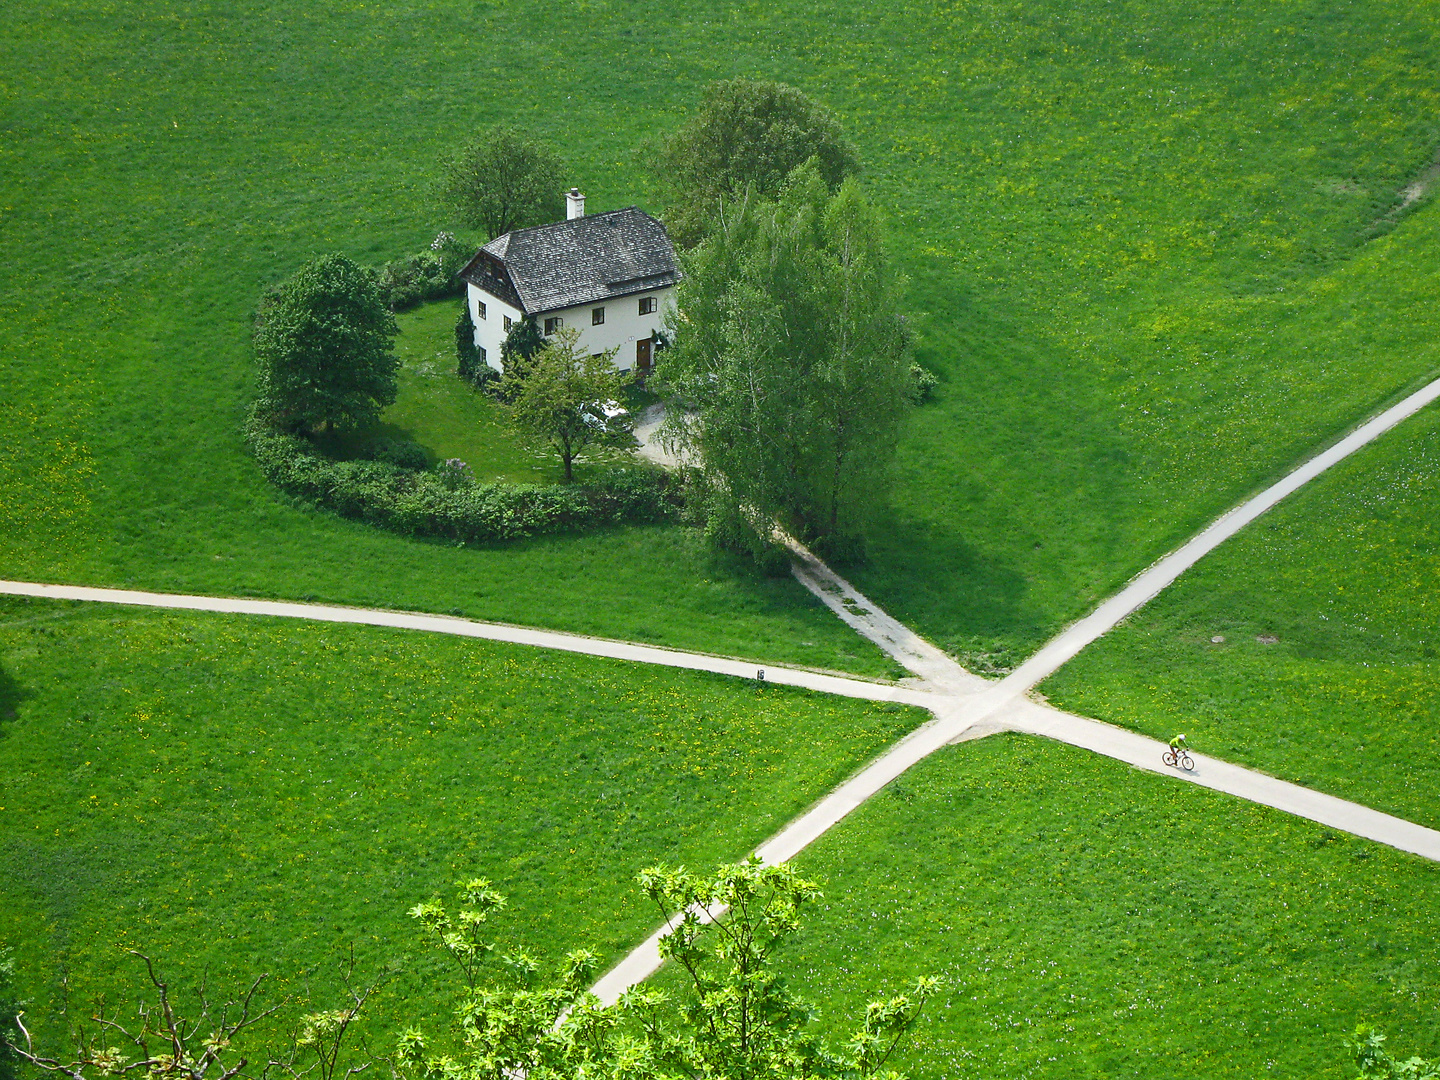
426, 275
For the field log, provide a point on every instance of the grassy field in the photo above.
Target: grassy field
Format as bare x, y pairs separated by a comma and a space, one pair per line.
1329, 609
1154, 252
1155, 257
1095, 921
1002, 537
243, 795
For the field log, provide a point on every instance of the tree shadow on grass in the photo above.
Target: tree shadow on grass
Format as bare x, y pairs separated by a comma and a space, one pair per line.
1012, 489
363, 445
11, 695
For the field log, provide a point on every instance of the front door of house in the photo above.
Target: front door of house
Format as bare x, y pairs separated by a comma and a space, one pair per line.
642, 357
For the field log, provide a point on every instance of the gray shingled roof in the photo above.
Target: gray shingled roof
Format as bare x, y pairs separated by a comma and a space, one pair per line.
582, 261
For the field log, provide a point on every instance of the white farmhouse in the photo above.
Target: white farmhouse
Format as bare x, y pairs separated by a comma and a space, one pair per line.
610, 276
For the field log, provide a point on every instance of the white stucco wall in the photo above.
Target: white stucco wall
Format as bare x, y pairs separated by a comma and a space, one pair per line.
489, 331
623, 326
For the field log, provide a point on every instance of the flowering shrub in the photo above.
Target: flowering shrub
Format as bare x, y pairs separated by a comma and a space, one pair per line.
415, 278
455, 474
426, 275
424, 504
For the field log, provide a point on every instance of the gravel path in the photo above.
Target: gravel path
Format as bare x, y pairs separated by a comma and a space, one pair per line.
488, 631
1003, 705
996, 706
962, 703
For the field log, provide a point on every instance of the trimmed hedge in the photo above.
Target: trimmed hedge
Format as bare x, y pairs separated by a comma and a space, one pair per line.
420, 504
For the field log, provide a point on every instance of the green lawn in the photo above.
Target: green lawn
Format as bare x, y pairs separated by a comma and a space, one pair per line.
1154, 253
244, 795
1010, 523
450, 419
1139, 240
447, 416
1096, 921
1330, 610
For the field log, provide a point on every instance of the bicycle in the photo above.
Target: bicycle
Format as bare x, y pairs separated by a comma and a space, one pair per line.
1178, 759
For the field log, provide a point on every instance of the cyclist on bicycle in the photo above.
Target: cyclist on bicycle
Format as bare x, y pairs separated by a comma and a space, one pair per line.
1177, 744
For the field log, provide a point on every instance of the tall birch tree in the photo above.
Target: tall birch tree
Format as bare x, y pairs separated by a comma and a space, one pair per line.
789, 379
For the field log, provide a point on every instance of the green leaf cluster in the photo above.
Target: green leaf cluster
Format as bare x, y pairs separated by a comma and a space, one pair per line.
790, 378
747, 133
1367, 1043
559, 400
503, 180
736, 1018
323, 348
468, 364
521, 343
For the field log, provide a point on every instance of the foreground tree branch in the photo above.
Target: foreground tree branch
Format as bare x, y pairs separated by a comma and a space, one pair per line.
163, 1042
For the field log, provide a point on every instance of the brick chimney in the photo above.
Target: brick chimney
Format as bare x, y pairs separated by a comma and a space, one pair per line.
574, 204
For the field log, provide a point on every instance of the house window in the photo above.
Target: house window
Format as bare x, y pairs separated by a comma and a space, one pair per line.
508, 322
552, 324
597, 317
480, 307
647, 305
482, 354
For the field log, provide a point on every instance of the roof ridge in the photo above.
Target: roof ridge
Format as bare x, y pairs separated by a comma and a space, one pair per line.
582, 217
567, 263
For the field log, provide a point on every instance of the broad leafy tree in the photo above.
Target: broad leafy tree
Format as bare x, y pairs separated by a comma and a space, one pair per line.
561, 400
324, 348
732, 1017
790, 374
504, 180
747, 134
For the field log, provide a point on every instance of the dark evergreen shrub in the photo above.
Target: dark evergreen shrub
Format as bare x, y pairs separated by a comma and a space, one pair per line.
467, 353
